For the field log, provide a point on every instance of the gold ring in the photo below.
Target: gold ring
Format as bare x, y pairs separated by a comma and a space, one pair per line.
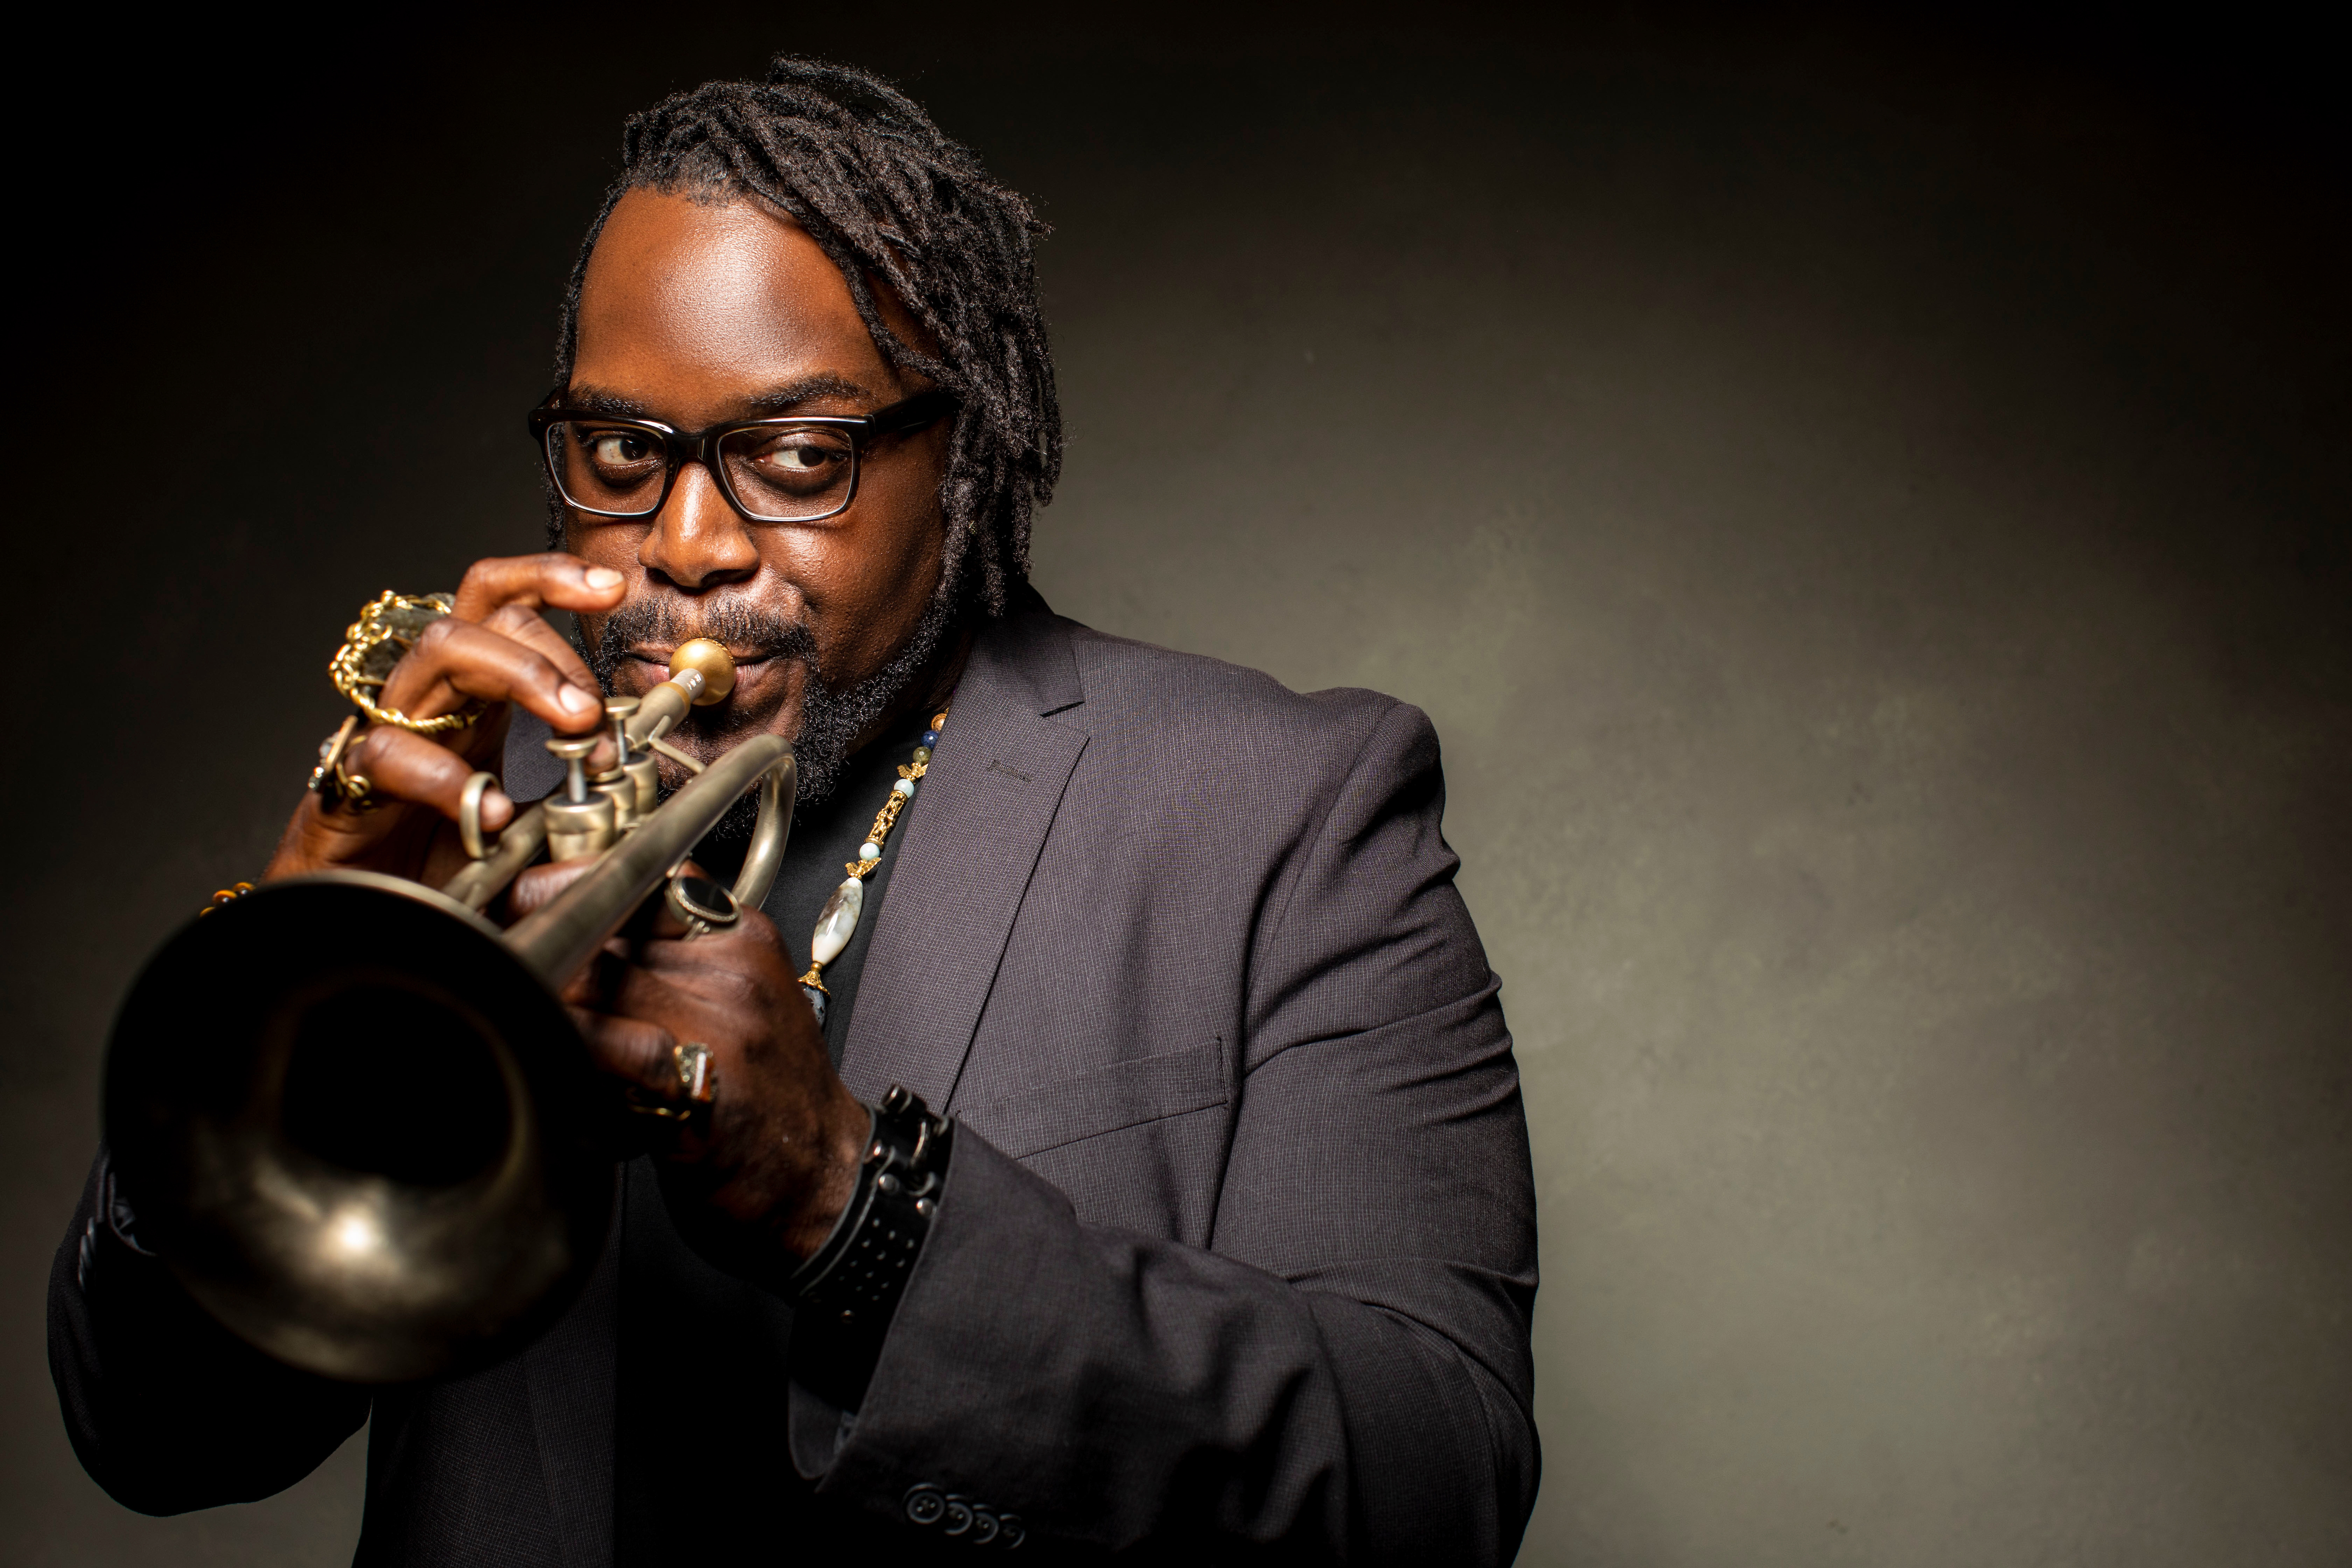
695, 1080
698, 1086
330, 783
325, 778
387, 628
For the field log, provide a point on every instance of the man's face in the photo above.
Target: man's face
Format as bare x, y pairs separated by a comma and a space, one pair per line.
696, 314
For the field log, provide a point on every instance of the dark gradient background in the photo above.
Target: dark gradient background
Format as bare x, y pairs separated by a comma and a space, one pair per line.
1866, 508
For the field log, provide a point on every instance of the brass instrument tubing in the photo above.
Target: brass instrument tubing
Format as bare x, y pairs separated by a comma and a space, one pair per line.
478, 882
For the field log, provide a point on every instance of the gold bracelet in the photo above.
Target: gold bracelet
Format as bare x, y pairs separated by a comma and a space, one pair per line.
224, 896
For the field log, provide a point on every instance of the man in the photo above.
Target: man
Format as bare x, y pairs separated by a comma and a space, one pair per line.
1236, 1244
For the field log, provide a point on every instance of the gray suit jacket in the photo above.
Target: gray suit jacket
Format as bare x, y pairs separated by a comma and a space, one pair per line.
1238, 1242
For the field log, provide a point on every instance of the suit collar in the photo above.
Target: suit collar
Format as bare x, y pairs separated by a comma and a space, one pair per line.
1030, 655
985, 806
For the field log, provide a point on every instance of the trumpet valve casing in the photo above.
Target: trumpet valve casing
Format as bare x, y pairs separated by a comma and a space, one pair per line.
583, 822
643, 775
622, 791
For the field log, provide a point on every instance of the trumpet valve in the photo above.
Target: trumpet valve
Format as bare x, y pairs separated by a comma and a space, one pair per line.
620, 710
579, 828
622, 791
583, 822
619, 781
644, 781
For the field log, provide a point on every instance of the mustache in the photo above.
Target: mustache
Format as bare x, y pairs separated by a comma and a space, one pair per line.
746, 628
833, 716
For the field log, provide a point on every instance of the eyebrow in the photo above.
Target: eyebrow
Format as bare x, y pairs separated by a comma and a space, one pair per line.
770, 404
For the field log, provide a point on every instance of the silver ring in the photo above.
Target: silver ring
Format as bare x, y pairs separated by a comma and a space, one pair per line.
701, 905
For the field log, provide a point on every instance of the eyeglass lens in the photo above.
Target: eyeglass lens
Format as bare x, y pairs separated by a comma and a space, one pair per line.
779, 473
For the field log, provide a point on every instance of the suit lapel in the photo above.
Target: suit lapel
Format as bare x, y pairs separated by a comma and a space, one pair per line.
980, 817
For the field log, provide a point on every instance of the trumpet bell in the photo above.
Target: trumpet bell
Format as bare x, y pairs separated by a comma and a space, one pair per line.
357, 1126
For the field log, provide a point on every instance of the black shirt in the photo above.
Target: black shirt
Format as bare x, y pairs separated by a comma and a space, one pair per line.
701, 1468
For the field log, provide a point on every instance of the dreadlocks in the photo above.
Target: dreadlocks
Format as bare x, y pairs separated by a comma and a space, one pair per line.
889, 199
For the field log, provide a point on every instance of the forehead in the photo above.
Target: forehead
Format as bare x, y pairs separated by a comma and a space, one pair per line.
690, 308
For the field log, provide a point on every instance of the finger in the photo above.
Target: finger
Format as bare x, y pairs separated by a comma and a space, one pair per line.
706, 988
630, 1049
409, 767
555, 579
455, 659
662, 924
535, 888
670, 948
530, 629
746, 966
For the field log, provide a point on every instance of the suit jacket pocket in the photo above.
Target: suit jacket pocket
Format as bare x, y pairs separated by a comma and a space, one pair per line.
1124, 1094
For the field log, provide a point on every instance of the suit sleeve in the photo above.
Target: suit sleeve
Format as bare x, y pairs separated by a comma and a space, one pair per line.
166, 1409
1344, 1371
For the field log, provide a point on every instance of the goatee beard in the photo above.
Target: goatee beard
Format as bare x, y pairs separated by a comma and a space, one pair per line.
831, 718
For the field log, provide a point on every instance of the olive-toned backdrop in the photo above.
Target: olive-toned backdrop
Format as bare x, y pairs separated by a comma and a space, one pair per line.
1868, 511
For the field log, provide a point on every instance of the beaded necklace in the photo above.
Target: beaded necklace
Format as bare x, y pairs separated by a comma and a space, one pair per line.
838, 919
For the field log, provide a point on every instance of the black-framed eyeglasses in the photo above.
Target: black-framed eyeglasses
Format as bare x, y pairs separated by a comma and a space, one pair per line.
796, 469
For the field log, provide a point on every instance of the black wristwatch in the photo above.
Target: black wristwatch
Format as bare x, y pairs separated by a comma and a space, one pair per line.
849, 1288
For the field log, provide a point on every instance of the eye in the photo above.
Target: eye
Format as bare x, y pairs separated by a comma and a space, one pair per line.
799, 456
782, 472
618, 448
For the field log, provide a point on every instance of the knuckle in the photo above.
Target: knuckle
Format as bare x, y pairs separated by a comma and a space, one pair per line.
653, 1054
376, 746
406, 762
513, 620
537, 668
432, 645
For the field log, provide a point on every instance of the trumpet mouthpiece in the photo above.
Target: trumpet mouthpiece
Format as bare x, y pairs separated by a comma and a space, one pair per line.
711, 661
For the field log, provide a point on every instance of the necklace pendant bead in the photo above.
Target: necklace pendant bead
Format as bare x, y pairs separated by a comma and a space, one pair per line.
837, 920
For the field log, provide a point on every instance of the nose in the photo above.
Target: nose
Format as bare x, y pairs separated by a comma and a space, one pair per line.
698, 542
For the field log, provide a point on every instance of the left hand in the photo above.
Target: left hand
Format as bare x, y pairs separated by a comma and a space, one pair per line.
494, 647
759, 1186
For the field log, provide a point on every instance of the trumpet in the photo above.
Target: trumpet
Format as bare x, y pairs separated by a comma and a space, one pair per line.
356, 1120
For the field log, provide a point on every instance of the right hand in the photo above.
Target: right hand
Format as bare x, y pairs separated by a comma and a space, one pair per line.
494, 647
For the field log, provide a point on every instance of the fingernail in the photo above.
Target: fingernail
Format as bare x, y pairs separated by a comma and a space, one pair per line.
576, 699
602, 577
